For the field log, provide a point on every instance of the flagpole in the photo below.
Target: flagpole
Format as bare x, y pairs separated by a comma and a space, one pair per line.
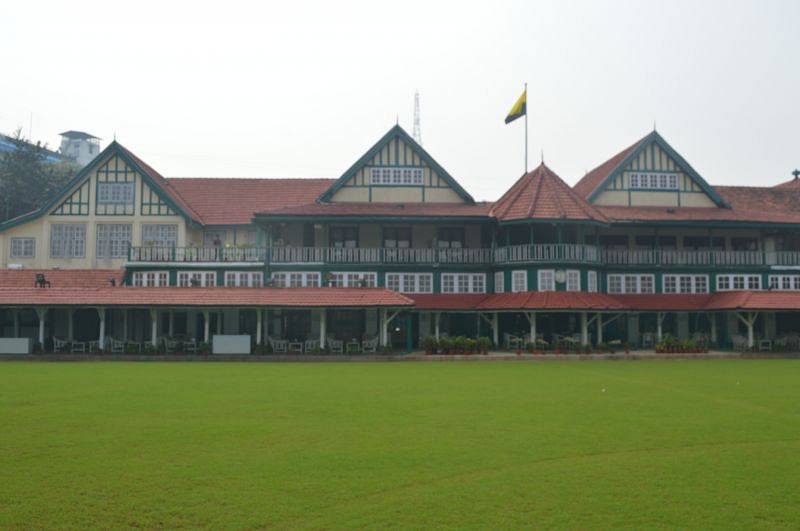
526, 127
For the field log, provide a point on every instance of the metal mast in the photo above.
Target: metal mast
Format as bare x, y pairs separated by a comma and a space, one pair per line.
417, 132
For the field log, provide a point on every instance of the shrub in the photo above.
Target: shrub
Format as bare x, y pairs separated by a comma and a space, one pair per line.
431, 344
445, 345
484, 344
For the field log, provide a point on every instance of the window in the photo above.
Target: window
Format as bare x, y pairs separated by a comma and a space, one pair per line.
197, 278
450, 236
394, 176
654, 181
784, 282
243, 279
519, 281
344, 237
296, 279
630, 283
410, 282
591, 281
67, 241
397, 237
113, 240
547, 280
739, 282
160, 235
115, 193
463, 283
499, 282
685, 283
573, 280
213, 238
151, 279
353, 280
23, 247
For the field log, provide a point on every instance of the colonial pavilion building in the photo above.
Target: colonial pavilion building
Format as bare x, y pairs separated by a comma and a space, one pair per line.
396, 250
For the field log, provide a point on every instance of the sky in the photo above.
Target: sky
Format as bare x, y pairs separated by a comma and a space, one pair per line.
303, 89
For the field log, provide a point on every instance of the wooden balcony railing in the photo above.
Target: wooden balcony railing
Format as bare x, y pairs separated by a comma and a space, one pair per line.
571, 253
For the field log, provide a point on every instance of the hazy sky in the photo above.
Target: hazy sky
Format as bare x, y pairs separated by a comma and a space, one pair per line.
302, 89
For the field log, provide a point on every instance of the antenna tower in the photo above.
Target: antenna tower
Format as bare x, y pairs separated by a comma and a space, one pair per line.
417, 132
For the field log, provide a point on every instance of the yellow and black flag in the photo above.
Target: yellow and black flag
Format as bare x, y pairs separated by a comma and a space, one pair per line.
519, 109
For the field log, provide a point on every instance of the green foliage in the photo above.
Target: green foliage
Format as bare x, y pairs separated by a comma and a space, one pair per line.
26, 182
430, 343
556, 445
445, 344
484, 343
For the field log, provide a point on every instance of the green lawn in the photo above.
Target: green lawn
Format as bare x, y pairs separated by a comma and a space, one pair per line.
689, 444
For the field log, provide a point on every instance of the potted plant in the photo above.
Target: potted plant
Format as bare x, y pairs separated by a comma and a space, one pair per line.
431, 344
445, 345
471, 345
459, 344
484, 343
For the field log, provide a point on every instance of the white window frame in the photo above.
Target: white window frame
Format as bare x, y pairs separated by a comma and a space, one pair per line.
573, 280
784, 282
113, 240
463, 282
207, 279
114, 193
23, 248
619, 283
649, 180
243, 279
678, 283
352, 279
396, 175
591, 281
151, 279
410, 282
546, 280
160, 234
68, 240
295, 279
740, 282
519, 281
499, 282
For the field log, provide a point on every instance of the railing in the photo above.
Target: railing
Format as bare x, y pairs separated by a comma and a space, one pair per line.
538, 253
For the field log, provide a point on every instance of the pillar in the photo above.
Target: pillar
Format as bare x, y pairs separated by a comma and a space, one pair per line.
70, 324
659, 325
599, 328
409, 332
220, 322
266, 324
584, 330
154, 327
16, 323
683, 325
41, 313
323, 328
171, 323
102, 338
384, 327
206, 325
633, 328
259, 320
713, 318
436, 316
125, 312
532, 321
495, 329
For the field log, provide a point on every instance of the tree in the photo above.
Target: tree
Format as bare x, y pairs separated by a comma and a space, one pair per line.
26, 180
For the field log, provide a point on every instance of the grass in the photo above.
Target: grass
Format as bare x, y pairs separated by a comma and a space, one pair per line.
662, 444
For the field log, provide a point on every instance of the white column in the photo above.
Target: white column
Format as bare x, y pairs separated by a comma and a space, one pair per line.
659, 322
266, 324
102, 339
384, 327
41, 313
495, 329
322, 328
599, 328
259, 319
584, 329
154, 327
206, 325
16, 323
713, 318
751, 319
532, 321
436, 316
171, 323
125, 312
70, 324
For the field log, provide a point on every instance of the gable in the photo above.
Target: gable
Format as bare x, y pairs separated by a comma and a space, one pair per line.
651, 173
396, 170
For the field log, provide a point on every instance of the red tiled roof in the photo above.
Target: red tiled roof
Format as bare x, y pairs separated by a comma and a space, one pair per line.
754, 204
447, 301
205, 297
794, 184
665, 301
755, 300
595, 178
385, 209
550, 300
60, 278
541, 194
230, 201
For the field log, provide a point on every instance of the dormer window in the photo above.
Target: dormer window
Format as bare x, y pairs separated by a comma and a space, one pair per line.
115, 193
396, 176
654, 181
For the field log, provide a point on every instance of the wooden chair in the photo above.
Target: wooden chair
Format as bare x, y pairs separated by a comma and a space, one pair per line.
171, 345
78, 346
335, 345
311, 345
190, 346
60, 345
117, 345
369, 346
278, 345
